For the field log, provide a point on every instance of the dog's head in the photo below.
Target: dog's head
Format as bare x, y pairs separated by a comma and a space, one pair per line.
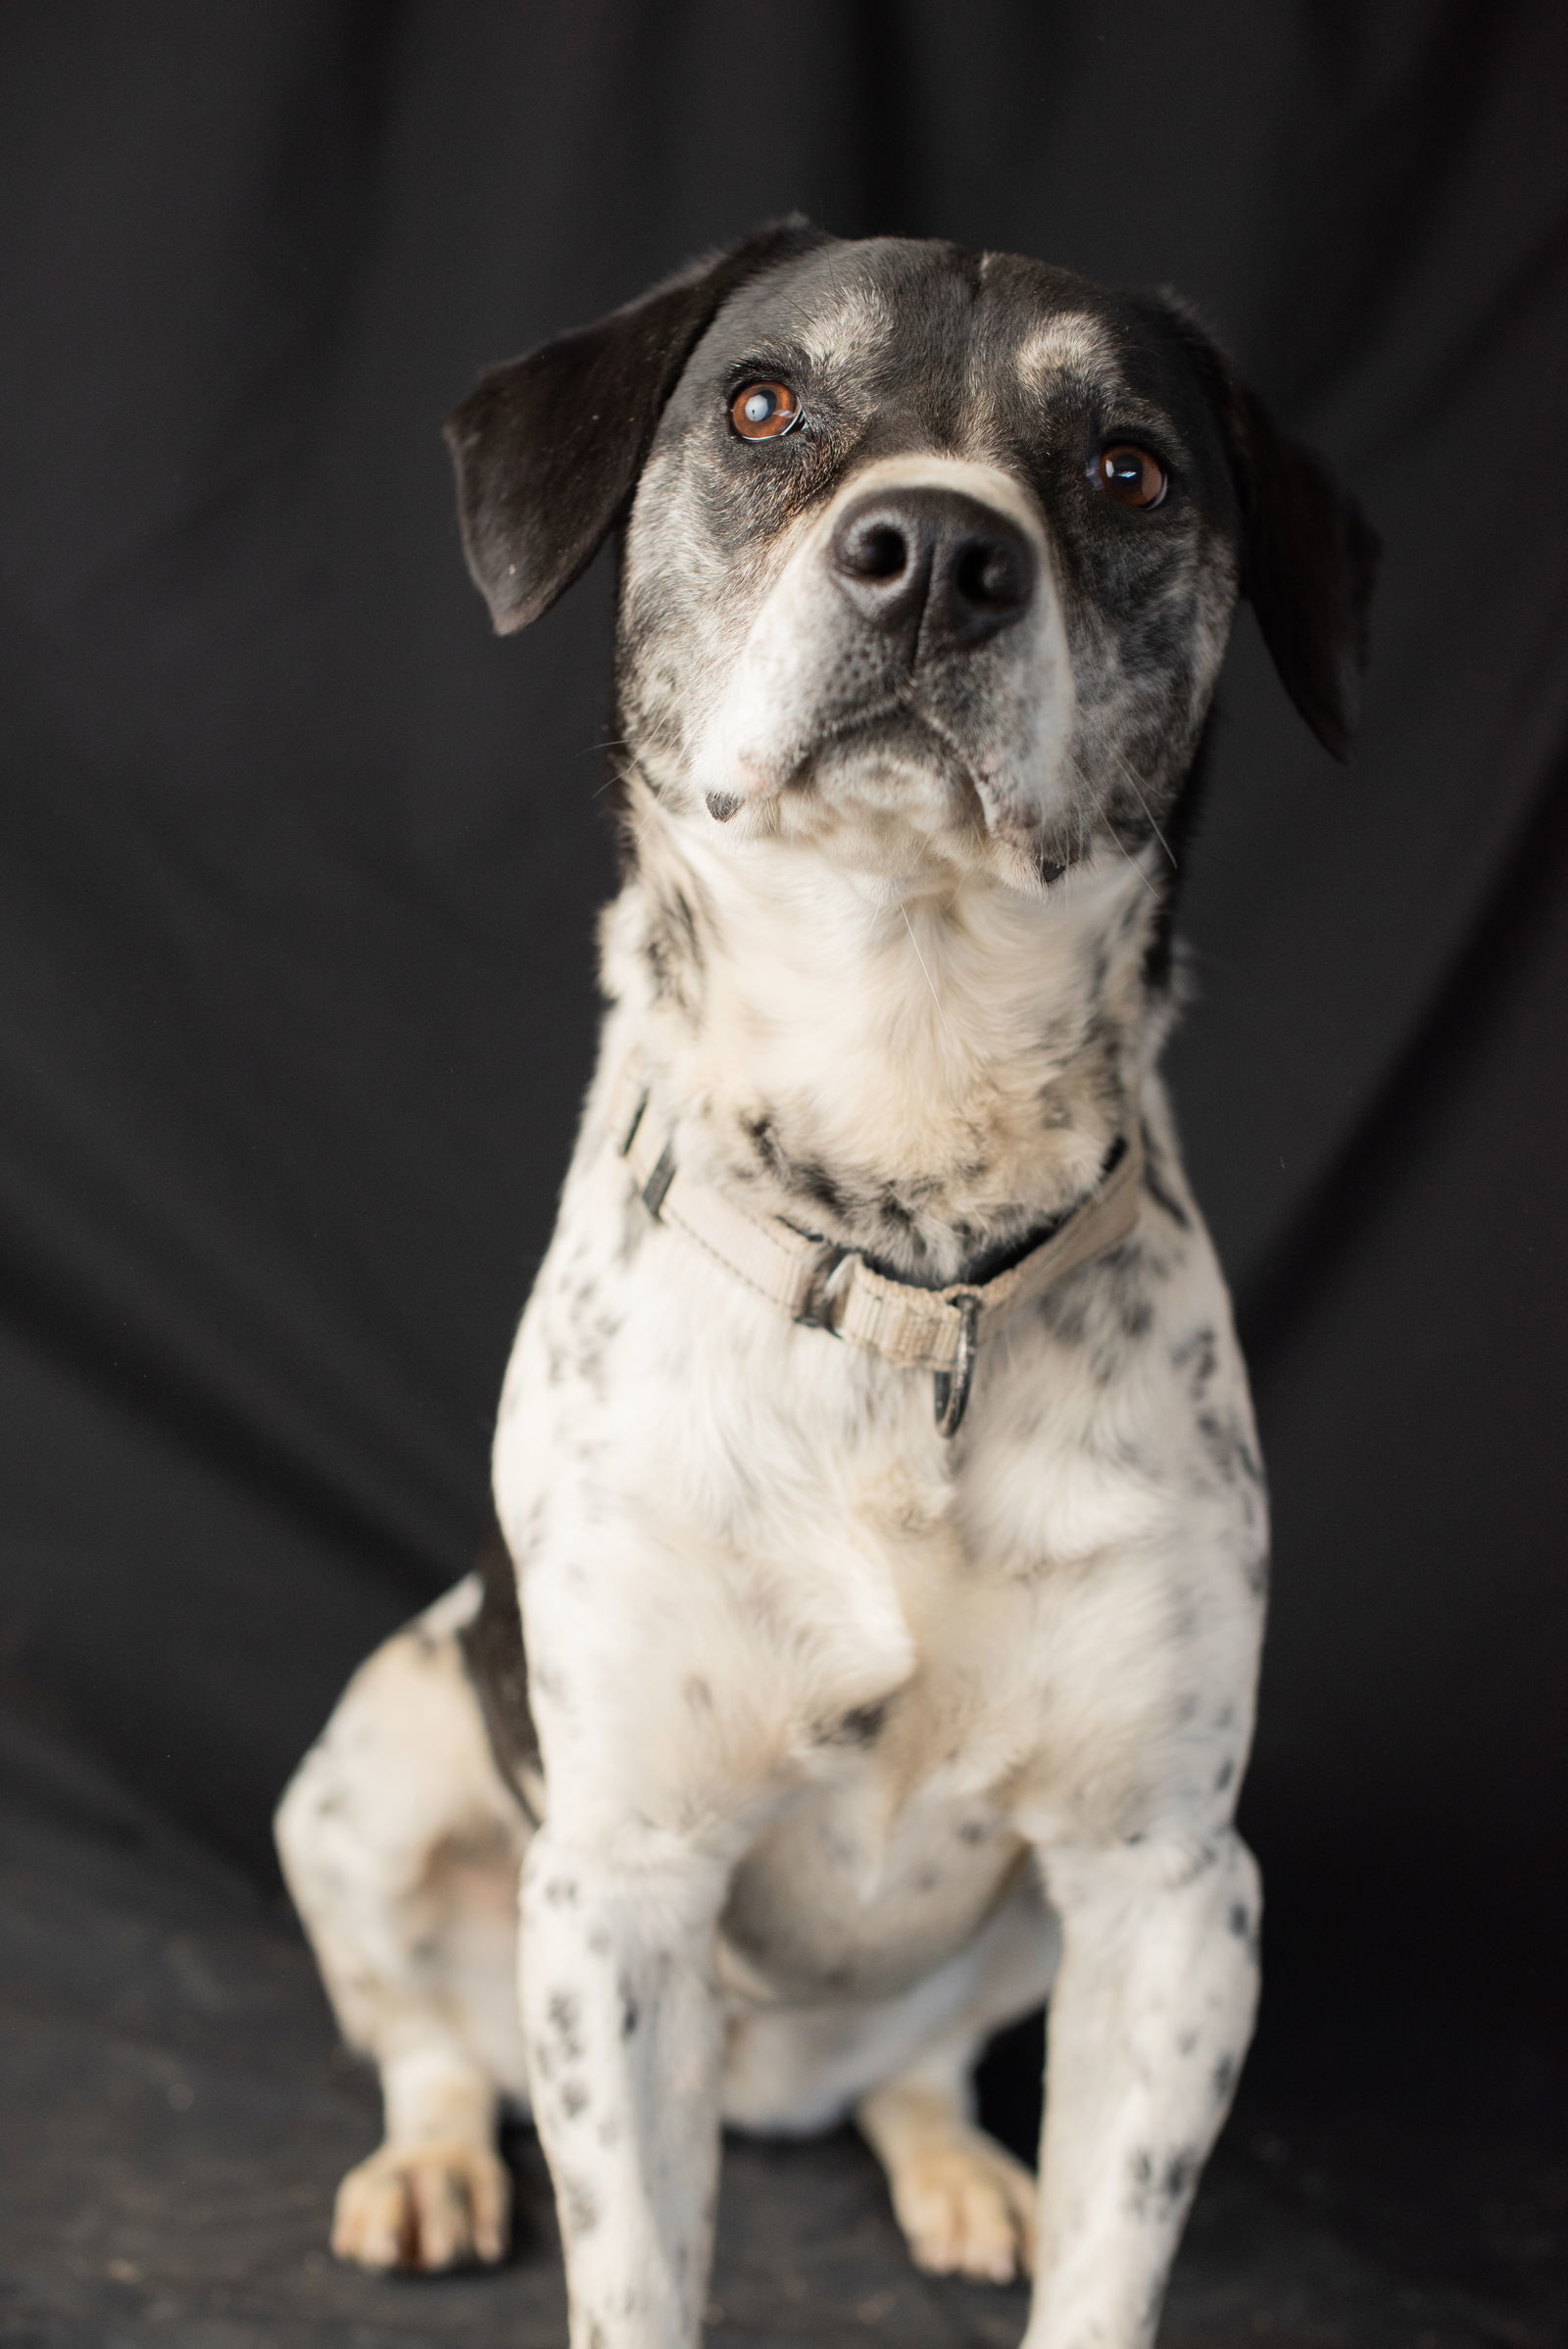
929, 555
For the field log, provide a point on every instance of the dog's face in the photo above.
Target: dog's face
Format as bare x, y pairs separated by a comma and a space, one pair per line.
931, 555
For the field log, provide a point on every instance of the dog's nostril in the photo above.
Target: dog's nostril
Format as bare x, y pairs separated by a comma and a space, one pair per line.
875, 552
991, 577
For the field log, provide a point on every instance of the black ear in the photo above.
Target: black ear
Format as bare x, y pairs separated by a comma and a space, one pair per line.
1309, 554
548, 449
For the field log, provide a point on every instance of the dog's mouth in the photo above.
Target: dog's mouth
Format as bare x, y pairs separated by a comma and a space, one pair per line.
892, 757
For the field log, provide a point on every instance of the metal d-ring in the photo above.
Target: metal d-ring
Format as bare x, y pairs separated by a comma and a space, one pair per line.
952, 1387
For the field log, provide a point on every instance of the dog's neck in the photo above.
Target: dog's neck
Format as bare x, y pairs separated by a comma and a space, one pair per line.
927, 1071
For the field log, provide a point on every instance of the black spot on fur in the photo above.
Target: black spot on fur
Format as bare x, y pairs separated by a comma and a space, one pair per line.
1179, 2175
630, 2015
1156, 1189
1243, 1924
1198, 1357
1159, 2187
861, 1726
1229, 1450
565, 2014
494, 1657
579, 2206
1224, 1775
971, 1830
574, 2097
1223, 2078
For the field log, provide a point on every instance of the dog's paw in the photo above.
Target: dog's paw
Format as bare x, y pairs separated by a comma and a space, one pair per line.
424, 2208
966, 2208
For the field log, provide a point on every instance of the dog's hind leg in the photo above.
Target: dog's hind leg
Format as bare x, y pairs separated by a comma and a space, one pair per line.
400, 1845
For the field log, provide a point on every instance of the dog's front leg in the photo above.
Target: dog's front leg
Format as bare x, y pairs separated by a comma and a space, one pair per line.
1150, 2018
623, 2031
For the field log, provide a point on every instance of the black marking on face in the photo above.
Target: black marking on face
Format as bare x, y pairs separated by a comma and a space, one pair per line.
901, 376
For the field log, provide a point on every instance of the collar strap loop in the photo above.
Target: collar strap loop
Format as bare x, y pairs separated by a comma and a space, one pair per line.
825, 1285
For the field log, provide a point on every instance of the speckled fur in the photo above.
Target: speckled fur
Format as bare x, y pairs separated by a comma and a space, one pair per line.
854, 1737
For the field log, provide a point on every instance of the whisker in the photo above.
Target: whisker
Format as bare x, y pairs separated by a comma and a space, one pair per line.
1131, 780
1133, 861
930, 982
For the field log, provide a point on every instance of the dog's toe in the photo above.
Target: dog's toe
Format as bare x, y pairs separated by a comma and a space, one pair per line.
967, 2209
424, 2208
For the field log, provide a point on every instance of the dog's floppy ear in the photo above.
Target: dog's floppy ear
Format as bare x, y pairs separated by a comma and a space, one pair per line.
1309, 554
548, 448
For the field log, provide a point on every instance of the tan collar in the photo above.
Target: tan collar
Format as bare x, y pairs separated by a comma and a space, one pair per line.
828, 1287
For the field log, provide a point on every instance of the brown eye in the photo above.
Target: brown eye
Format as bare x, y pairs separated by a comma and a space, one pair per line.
1130, 475
763, 411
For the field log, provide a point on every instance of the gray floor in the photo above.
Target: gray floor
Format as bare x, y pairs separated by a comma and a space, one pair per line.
176, 2116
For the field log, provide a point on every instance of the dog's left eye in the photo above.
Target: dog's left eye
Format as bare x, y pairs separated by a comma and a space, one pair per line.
1130, 475
763, 410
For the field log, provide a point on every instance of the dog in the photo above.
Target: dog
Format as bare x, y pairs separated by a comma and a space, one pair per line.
871, 1651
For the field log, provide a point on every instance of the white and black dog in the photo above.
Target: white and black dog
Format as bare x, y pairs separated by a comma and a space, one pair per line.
875, 1463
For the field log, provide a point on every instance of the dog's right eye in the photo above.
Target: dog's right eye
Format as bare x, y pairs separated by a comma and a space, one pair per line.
764, 410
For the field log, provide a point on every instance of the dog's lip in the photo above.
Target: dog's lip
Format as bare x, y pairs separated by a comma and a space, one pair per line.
865, 719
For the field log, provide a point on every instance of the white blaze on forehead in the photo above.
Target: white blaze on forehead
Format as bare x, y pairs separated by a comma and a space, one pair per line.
848, 328
1076, 343
986, 482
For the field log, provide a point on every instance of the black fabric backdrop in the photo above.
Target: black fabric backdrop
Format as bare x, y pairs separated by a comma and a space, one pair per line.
300, 864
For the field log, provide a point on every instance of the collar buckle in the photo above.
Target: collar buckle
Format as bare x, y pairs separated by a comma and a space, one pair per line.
951, 1388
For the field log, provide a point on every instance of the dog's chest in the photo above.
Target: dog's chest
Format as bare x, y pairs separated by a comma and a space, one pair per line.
897, 1829
883, 1866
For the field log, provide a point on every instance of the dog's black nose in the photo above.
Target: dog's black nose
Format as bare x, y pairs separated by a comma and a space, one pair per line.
932, 567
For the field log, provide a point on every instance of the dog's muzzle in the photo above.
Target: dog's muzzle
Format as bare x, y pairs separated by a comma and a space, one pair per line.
933, 572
